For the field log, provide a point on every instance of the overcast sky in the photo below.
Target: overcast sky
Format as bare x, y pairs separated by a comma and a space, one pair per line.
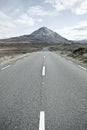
66, 17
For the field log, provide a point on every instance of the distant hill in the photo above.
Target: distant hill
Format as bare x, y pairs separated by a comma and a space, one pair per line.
83, 41
42, 35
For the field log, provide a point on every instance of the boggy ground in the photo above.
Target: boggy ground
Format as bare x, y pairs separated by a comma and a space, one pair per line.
75, 51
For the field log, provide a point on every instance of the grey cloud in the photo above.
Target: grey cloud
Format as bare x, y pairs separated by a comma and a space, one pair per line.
80, 28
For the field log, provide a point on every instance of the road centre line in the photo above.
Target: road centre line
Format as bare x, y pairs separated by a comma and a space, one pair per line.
42, 121
43, 71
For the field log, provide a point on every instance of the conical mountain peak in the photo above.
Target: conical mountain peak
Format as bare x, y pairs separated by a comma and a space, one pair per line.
46, 35
42, 35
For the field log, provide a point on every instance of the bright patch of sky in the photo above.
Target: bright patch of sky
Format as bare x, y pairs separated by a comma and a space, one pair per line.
66, 17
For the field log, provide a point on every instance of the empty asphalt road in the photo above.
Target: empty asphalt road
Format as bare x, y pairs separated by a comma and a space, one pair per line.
43, 91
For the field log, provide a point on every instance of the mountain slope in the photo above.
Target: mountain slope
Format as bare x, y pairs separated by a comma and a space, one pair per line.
46, 35
42, 35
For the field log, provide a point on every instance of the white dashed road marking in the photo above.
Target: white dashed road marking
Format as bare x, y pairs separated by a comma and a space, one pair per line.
42, 121
44, 57
43, 71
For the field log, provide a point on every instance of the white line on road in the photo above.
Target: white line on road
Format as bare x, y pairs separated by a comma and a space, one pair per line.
44, 57
5, 67
43, 71
82, 67
42, 121
70, 61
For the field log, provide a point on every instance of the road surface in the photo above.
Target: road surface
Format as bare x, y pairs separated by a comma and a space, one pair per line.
43, 88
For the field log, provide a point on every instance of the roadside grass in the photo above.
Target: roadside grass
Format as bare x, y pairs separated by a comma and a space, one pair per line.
9, 51
76, 51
